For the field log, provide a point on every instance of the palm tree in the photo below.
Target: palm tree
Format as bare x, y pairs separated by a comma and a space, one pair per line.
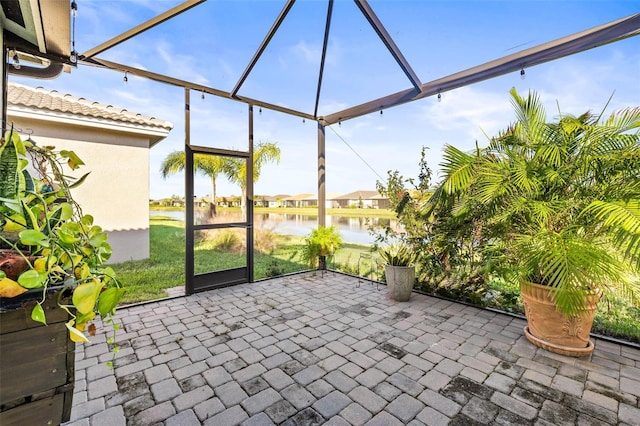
209, 165
560, 201
236, 169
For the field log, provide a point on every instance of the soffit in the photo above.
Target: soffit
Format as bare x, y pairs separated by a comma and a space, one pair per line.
37, 26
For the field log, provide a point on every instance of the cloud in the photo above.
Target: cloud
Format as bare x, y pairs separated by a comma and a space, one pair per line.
306, 52
180, 65
467, 110
586, 81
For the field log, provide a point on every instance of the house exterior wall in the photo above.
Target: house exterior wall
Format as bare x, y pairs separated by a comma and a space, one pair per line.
116, 193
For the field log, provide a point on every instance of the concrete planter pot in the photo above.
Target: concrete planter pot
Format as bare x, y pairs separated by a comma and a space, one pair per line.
552, 330
400, 280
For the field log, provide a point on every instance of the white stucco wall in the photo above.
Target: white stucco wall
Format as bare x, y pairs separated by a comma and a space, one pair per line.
116, 193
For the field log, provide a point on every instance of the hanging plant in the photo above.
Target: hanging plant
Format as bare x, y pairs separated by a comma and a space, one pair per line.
48, 243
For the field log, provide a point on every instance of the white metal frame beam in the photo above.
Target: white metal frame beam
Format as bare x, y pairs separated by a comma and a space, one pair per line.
325, 41
256, 56
368, 13
569, 45
171, 13
193, 86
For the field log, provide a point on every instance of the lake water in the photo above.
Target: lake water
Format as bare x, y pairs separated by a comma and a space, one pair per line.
352, 229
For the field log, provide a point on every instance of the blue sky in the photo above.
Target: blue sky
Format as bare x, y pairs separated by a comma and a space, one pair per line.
213, 43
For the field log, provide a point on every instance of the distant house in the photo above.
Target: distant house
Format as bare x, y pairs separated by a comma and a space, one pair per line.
260, 201
361, 199
229, 201
114, 144
301, 200
201, 202
272, 201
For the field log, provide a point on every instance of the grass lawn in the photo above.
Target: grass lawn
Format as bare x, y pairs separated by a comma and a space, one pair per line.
148, 279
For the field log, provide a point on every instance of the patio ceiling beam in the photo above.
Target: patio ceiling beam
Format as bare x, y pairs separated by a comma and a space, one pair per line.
324, 55
183, 7
569, 45
371, 16
193, 86
274, 28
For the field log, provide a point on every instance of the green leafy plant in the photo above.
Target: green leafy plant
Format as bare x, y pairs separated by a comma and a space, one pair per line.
274, 269
48, 242
405, 197
398, 255
319, 242
559, 201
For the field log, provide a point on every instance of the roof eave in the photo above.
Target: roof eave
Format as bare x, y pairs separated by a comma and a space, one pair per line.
154, 134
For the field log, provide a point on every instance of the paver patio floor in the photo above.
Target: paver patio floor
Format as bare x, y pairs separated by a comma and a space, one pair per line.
310, 349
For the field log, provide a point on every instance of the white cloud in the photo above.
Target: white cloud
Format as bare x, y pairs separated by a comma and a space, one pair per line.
179, 65
308, 53
468, 110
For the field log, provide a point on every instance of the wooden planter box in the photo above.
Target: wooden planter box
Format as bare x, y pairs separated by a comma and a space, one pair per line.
36, 364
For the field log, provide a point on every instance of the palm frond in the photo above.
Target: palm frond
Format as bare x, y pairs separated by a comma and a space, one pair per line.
530, 114
571, 266
458, 169
623, 218
172, 164
624, 120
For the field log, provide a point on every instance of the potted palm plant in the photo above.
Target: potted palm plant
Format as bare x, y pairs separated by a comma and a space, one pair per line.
560, 202
53, 283
320, 243
399, 270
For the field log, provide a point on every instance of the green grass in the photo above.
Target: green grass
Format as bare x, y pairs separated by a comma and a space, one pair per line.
616, 318
148, 279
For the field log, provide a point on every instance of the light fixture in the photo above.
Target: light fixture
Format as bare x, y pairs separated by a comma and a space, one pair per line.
304, 121
15, 61
260, 111
523, 75
74, 13
439, 96
202, 96
125, 78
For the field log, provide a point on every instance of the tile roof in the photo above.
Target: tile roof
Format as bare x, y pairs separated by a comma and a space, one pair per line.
52, 100
365, 195
301, 197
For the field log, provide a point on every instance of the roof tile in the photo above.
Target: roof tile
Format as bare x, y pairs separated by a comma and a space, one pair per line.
52, 100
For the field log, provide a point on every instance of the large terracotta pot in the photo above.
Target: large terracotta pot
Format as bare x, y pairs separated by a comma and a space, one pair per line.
400, 280
552, 330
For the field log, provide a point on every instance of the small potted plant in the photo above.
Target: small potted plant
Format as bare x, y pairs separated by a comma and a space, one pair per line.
53, 283
399, 270
320, 243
